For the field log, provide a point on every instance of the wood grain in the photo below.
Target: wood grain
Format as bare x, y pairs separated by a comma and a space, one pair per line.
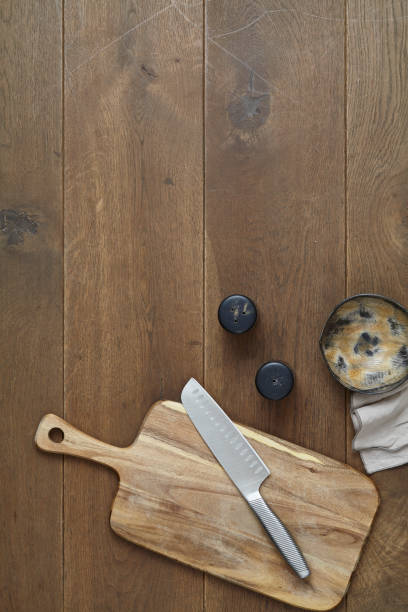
133, 284
377, 193
275, 217
30, 302
275, 229
176, 499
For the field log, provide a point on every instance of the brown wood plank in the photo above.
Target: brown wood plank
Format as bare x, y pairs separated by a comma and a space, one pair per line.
134, 271
30, 302
377, 187
275, 217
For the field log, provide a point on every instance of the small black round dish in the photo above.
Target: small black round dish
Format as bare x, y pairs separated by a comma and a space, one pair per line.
365, 343
274, 380
237, 314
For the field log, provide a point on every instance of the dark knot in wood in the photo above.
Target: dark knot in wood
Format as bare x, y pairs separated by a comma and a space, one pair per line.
14, 225
249, 111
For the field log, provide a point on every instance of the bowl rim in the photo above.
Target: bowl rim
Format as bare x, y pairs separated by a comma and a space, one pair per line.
383, 389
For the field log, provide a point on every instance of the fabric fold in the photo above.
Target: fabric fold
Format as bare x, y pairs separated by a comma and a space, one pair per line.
381, 425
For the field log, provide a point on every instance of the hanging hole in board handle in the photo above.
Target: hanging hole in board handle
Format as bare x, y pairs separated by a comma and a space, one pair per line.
56, 435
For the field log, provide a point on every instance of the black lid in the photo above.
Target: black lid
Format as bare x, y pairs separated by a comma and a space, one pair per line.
237, 314
274, 380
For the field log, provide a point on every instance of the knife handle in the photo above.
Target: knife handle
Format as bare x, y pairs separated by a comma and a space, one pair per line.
279, 535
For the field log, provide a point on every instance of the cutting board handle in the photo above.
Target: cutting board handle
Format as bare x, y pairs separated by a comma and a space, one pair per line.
54, 435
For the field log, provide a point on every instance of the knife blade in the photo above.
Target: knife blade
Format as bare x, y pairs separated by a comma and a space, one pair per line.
242, 464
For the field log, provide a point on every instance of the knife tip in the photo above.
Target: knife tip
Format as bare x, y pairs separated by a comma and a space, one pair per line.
190, 383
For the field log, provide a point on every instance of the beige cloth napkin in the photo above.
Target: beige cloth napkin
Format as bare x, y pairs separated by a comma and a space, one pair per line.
381, 425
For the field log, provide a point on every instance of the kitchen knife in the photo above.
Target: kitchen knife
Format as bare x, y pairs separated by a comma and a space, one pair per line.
242, 464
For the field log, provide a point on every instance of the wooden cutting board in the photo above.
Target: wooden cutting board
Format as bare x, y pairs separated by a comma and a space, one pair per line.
174, 498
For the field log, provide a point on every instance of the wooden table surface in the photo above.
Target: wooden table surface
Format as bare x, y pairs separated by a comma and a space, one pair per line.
156, 156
